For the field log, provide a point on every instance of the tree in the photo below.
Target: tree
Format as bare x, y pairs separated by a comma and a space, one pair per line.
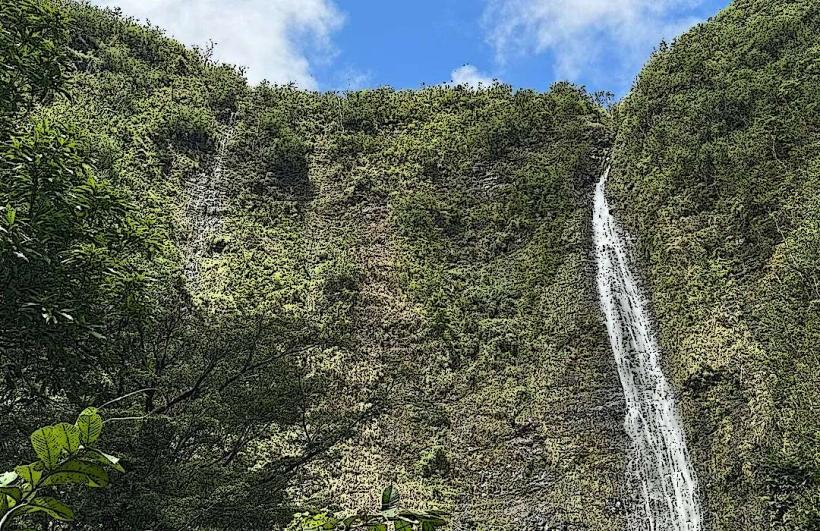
33, 57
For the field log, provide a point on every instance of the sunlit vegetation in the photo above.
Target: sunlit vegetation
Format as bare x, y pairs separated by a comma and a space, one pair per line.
295, 298
717, 173
390, 516
302, 296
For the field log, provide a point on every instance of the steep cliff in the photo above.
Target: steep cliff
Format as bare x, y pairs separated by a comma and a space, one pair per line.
717, 175
315, 294
342, 290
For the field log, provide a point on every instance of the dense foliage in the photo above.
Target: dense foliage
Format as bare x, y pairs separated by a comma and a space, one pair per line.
301, 295
67, 456
717, 172
295, 297
390, 516
463, 220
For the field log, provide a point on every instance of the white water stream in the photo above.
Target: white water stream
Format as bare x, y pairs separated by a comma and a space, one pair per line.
660, 461
205, 207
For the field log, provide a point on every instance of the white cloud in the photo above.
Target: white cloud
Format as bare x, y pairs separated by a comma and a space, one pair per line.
470, 75
351, 78
275, 39
579, 32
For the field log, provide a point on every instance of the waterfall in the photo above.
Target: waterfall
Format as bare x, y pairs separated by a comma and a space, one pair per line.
204, 208
659, 460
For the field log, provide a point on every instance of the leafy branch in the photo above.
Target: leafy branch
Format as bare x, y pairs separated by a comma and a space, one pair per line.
66, 456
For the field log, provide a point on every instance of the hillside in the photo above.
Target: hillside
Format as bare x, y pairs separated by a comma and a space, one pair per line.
717, 174
395, 280
296, 298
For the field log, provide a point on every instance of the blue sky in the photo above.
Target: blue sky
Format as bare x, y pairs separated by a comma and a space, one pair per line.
352, 44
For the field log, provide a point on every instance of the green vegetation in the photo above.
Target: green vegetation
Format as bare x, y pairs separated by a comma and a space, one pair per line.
66, 457
303, 295
389, 517
469, 215
717, 171
294, 296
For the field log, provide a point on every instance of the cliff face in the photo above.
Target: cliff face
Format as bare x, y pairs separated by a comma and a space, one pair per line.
350, 290
436, 245
343, 290
717, 174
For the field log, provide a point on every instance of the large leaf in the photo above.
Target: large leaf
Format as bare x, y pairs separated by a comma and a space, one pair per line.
6, 478
402, 525
48, 443
30, 473
70, 436
105, 459
90, 425
12, 492
79, 473
390, 498
54, 508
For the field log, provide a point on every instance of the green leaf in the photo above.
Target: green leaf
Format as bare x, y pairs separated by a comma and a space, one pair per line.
348, 522
390, 498
54, 508
31, 473
432, 523
70, 435
7, 477
90, 425
51, 441
79, 473
11, 214
402, 525
47, 444
12, 492
105, 459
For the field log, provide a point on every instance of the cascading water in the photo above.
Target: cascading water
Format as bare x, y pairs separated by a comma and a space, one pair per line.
660, 461
206, 201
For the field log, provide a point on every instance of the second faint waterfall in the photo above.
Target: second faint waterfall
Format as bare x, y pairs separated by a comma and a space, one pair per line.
660, 461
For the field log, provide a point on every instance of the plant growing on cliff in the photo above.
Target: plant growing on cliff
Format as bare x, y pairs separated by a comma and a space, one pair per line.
390, 517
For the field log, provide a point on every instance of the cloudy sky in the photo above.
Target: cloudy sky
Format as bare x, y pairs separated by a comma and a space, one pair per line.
350, 44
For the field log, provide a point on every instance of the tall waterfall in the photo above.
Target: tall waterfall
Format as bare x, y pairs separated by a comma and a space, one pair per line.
204, 208
660, 461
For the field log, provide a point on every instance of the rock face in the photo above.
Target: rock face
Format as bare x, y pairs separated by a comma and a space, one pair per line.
716, 173
660, 460
399, 286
